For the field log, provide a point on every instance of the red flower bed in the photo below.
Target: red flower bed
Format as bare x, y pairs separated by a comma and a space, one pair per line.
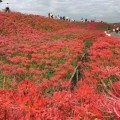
37, 58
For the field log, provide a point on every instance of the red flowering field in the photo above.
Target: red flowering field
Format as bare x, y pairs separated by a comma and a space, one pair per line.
38, 57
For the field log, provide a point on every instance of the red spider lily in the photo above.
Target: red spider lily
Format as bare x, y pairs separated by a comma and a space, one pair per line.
117, 108
46, 51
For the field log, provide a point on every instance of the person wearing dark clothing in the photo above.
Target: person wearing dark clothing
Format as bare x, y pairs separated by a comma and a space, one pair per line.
108, 28
85, 20
7, 9
63, 17
117, 30
49, 15
52, 16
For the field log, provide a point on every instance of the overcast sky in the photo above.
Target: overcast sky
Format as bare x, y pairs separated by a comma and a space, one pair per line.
106, 10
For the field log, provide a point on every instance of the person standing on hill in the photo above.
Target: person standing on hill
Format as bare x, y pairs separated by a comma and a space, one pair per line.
7, 9
85, 20
117, 30
63, 18
67, 18
49, 15
108, 29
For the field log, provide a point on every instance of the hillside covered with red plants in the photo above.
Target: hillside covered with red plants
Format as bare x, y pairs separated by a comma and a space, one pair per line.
38, 57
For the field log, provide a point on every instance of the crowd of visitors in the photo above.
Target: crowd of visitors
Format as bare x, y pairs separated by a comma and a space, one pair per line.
116, 29
50, 15
65, 18
112, 29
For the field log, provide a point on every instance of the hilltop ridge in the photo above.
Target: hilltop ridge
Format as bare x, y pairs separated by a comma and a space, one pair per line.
43, 23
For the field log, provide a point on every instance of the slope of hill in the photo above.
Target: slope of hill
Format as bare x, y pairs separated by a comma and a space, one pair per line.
38, 56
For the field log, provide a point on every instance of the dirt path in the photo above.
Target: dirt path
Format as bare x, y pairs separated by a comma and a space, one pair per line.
116, 34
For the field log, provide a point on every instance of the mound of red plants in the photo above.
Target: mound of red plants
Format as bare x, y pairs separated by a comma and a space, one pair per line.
37, 59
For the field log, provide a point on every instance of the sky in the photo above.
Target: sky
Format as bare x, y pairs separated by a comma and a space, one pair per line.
99, 10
